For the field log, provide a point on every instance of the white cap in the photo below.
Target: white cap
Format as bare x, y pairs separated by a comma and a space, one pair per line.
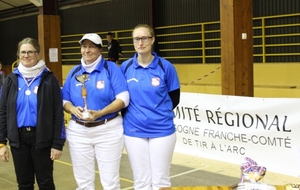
95, 38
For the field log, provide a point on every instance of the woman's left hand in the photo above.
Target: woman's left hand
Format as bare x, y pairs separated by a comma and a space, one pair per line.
94, 115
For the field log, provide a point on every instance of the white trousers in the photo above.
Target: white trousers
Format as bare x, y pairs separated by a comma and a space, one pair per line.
150, 161
104, 144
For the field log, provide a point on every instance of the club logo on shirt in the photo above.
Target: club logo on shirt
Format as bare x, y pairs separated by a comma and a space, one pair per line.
35, 89
155, 81
100, 84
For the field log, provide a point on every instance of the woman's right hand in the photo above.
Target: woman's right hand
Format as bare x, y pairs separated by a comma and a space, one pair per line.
4, 154
77, 111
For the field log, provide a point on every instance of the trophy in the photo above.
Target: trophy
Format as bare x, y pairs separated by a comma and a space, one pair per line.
82, 79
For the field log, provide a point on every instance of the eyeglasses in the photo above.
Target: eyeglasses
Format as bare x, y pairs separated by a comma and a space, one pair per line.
29, 53
144, 39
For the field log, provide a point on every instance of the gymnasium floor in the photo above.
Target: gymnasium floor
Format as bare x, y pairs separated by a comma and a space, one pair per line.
186, 171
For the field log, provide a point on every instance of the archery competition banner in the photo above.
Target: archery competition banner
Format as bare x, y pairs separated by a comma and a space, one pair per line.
230, 128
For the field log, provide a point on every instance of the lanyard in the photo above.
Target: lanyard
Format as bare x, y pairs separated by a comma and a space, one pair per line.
28, 92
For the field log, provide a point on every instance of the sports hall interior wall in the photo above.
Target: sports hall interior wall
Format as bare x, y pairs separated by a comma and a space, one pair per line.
270, 79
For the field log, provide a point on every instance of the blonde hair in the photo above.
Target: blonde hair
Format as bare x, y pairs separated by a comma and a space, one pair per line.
150, 29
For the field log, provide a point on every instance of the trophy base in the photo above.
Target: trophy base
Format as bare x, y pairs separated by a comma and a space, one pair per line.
85, 115
254, 186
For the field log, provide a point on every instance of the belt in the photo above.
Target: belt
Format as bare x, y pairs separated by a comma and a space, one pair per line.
96, 123
27, 129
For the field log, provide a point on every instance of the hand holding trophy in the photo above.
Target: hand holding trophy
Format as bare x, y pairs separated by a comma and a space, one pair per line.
82, 79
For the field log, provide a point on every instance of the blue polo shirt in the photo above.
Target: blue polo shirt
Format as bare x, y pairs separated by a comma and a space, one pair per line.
27, 104
102, 87
149, 113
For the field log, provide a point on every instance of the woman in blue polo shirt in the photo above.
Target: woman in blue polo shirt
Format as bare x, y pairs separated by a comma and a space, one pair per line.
149, 129
97, 87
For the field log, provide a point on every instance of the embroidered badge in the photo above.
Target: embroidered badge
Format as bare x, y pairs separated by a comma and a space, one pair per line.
100, 84
155, 81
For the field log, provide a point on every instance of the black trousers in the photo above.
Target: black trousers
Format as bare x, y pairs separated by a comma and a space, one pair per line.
31, 163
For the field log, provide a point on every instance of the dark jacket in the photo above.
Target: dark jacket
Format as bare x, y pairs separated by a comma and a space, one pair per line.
114, 49
50, 129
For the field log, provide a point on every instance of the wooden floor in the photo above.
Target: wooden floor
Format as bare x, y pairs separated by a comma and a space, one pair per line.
186, 171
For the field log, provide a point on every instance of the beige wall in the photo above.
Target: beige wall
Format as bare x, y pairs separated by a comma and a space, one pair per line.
270, 80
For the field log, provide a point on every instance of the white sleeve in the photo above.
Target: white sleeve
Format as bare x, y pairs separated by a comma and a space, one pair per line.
65, 101
124, 96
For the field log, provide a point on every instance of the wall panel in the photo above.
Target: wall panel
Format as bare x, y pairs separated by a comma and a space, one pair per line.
108, 16
125, 14
13, 31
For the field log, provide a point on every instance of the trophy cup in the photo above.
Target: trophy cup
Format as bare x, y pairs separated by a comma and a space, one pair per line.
82, 79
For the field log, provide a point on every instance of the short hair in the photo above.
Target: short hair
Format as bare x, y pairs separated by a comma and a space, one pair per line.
109, 34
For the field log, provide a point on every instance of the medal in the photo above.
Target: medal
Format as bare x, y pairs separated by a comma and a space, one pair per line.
27, 92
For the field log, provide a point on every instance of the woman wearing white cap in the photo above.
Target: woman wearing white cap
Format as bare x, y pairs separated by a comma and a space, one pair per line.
98, 87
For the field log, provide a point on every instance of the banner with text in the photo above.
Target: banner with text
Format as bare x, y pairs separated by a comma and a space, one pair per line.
230, 128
